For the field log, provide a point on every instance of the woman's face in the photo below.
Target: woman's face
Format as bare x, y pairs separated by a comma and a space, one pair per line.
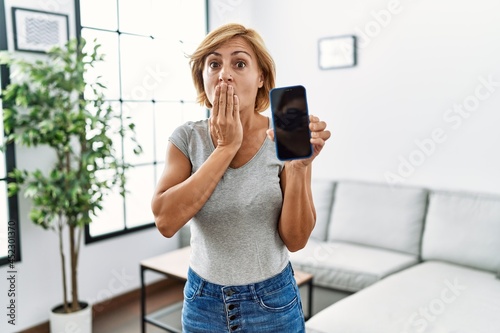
234, 63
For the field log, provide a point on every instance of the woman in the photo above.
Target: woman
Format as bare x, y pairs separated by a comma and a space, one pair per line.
247, 207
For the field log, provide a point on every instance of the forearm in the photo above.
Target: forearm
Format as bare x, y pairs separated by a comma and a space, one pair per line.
175, 206
298, 215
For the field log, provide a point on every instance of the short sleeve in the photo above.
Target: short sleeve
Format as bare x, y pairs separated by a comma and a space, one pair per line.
181, 136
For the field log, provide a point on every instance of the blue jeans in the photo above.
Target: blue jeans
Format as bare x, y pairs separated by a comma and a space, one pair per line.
272, 306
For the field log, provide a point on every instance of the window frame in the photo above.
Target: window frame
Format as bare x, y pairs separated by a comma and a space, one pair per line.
125, 230
10, 155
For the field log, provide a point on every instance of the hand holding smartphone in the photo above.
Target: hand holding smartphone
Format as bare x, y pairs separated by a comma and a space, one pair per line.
291, 123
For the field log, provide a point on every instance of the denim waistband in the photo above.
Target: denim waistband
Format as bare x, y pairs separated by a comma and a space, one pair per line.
241, 292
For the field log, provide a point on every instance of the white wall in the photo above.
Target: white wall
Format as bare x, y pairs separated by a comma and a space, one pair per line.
427, 58
418, 62
107, 268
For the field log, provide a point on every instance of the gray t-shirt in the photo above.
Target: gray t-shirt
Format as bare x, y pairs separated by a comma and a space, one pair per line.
234, 237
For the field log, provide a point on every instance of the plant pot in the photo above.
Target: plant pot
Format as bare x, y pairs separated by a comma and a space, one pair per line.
79, 321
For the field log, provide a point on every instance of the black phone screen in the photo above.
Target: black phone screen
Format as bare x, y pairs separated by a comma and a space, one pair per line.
291, 123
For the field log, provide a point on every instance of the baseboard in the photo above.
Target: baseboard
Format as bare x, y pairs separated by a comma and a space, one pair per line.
109, 305
42, 328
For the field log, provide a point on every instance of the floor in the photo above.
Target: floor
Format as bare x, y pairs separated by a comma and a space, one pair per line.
126, 319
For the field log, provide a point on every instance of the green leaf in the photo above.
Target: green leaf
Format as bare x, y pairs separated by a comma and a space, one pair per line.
43, 107
13, 189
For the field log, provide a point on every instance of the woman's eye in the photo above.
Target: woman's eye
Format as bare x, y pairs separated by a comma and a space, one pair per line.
213, 64
241, 64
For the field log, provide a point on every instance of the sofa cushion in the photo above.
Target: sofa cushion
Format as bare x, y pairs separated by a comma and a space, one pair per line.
322, 191
431, 297
348, 267
378, 215
463, 229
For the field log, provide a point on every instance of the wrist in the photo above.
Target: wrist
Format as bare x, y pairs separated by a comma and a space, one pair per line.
230, 149
297, 167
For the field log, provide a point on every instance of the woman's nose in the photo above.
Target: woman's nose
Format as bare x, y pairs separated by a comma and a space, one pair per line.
225, 75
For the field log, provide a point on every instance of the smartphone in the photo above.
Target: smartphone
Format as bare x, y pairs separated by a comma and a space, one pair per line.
291, 123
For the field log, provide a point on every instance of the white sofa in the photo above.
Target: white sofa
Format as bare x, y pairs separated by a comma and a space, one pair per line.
407, 259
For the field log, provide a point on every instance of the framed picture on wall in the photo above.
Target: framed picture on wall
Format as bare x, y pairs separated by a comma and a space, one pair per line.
337, 52
38, 31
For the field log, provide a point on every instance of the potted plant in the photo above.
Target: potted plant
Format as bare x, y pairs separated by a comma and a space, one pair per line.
44, 106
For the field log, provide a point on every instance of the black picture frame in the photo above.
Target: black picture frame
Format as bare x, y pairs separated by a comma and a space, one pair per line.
38, 31
337, 52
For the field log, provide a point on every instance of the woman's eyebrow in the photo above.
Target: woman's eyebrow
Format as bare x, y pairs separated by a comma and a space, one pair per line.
237, 52
217, 54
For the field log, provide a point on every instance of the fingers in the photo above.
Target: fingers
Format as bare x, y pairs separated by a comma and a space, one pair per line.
270, 134
230, 102
319, 134
323, 135
225, 119
223, 99
316, 125
236, 108
215, 107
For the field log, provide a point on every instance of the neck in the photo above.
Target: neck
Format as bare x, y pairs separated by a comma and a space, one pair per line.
251, 120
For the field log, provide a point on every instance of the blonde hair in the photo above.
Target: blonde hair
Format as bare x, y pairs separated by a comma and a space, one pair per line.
218, 37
